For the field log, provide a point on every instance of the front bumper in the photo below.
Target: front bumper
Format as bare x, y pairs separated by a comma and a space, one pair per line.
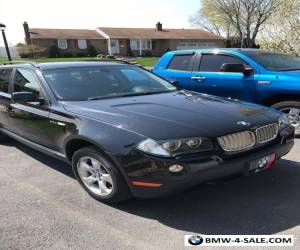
154, 170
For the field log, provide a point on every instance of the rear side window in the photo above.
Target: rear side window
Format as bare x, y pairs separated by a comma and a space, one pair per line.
181, 62
4, 79
25, 81
213, 63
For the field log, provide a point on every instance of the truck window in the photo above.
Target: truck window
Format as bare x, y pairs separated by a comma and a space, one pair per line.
213, 63
181, 62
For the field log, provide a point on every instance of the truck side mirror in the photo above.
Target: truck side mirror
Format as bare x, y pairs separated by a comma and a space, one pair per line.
236, 68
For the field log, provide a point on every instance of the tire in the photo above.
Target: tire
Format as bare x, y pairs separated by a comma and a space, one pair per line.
103, 181
292, 108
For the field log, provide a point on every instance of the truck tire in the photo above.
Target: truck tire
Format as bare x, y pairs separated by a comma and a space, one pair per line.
292, 109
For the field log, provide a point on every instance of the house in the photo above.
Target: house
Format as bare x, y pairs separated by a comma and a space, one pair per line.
73, 41
123, 41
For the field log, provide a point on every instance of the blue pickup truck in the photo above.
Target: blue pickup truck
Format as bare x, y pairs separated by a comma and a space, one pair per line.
259, 76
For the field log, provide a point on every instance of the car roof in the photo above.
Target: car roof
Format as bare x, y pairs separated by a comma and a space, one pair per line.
215, 49
62, 65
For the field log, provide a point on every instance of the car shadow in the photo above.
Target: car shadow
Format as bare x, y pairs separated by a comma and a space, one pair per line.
49, 161
265, 203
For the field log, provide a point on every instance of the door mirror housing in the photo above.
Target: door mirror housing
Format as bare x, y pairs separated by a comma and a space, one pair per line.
175, 84
236, 68
24, 97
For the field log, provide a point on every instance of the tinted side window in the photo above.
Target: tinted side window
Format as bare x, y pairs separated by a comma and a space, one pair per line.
181, 62
4, 79
26, 81
213, 63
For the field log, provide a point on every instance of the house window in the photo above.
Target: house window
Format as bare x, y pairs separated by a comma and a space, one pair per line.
62, 43
135, 44
82, 44
145, 44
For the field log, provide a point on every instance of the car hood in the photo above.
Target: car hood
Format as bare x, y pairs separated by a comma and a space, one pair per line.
174, 115
294, 73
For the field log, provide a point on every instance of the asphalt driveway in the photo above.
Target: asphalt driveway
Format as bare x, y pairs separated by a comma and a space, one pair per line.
42, 206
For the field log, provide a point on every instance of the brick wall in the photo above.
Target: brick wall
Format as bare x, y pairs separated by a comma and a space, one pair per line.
99, 44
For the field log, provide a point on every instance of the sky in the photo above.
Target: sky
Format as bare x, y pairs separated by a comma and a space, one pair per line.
89, 14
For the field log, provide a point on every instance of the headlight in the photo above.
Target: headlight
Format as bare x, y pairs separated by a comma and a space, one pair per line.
194, 143
152, 147
284, 121
173, 147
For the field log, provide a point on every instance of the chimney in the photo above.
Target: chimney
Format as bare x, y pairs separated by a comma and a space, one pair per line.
159, 26
27, 33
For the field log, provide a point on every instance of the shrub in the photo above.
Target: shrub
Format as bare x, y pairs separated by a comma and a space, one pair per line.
30, 50
148, 54
129, 52
81, 54
54, 52
67, 54
92, 51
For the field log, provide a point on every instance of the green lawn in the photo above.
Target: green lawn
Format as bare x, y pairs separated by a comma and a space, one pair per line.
146, 62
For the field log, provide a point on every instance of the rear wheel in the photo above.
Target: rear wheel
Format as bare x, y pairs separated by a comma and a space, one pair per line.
292, 109
99, 176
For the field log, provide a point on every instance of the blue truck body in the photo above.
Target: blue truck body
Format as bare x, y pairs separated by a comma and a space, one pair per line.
264, 86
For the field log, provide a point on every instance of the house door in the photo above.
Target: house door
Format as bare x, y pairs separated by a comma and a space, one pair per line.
114, 45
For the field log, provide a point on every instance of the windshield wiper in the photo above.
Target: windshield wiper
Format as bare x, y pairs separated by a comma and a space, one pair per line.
146, 93
129, 94
103, 97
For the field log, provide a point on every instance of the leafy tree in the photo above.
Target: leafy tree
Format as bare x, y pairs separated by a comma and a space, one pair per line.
236, 18
91, 51
282, 32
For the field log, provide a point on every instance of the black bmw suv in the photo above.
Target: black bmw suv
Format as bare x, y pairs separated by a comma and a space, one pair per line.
127, 132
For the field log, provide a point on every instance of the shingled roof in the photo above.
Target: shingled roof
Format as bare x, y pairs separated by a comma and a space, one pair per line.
154, 34
65, 33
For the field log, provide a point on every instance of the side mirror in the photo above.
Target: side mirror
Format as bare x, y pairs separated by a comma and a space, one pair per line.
25, 97
175, 84
236, 68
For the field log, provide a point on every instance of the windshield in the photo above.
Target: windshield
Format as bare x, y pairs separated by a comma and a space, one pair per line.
99, 82
274, 61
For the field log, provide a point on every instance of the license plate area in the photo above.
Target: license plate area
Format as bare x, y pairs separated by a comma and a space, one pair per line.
262, 163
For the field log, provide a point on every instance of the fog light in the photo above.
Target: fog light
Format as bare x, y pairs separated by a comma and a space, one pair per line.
175, 168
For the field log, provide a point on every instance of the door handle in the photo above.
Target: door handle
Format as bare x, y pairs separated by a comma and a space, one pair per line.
198, 78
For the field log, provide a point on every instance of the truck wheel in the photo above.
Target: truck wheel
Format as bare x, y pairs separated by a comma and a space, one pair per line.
292, 109
99, 176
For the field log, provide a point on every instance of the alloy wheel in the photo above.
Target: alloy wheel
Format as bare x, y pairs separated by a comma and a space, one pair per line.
95, 176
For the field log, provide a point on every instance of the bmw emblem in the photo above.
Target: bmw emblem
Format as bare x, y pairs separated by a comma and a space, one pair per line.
195, 240
245, 124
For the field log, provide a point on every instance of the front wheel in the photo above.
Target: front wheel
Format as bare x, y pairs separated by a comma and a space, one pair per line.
99, 176
292, 109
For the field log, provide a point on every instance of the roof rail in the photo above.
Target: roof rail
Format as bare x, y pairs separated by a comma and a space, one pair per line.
20, 62
117, 59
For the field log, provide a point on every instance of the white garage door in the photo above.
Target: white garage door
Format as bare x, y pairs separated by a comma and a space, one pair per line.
182, 46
